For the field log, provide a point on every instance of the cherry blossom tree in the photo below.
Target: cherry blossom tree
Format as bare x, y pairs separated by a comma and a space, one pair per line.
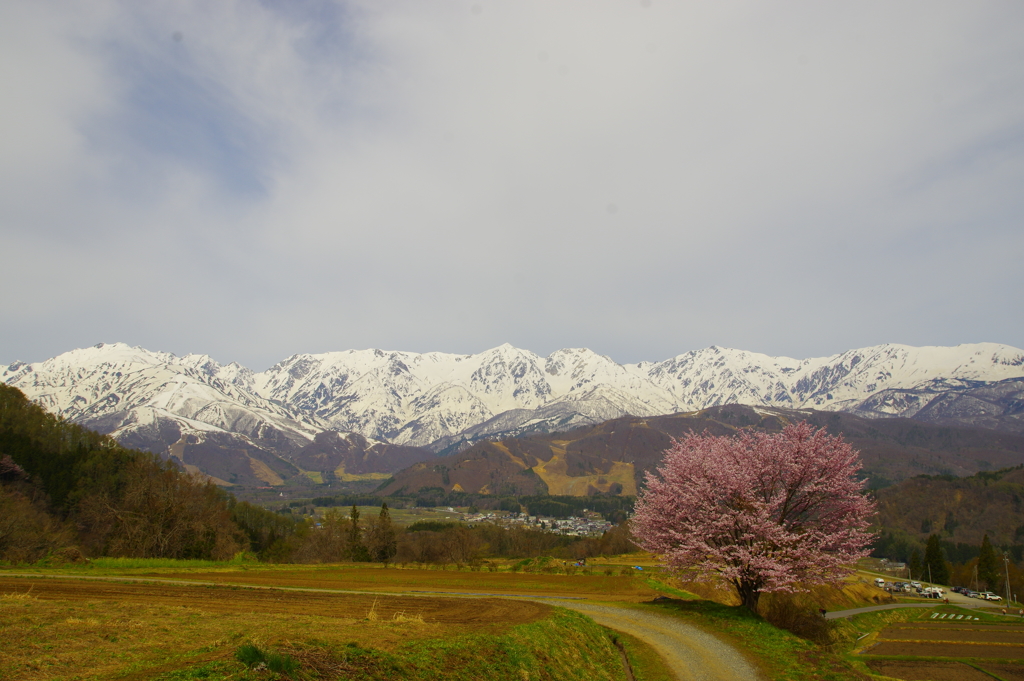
764, 511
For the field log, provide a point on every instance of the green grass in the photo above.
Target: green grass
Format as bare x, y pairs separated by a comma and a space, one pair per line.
663, 587
564, 647
781, 655
646, 663
211, 671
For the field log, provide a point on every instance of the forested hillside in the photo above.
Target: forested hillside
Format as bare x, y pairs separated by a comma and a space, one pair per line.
68, 491
961, 511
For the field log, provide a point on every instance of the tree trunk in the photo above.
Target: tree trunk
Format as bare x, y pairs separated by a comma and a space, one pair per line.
749, 593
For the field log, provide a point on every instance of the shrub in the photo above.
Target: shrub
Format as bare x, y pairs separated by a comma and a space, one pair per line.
786, 612
250, 655
282, 664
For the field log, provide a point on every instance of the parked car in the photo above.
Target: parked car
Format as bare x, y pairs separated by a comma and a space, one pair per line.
916, 585
971, 594
989, 596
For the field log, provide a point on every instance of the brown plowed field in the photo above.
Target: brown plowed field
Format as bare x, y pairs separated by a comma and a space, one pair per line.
1007, 671
923, 649
961, 626
607, 588
211, 599
929, 671
955, 635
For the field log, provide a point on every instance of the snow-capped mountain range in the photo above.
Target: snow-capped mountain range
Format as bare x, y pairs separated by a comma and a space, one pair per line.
443, 401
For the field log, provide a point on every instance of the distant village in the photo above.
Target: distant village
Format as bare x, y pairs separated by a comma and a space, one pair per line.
590, 525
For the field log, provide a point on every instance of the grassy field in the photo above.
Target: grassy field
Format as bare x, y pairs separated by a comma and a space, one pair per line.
58, 628
71, 629
537, 577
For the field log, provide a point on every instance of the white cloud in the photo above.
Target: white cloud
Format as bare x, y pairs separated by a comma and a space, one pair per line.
265, 180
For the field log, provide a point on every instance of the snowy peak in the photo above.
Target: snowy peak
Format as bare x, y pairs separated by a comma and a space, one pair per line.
113, 387
435, 399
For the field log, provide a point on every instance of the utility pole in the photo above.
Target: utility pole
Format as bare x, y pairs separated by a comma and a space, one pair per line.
1006, 566
929, 574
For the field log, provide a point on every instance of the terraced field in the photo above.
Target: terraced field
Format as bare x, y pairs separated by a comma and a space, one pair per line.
936, 646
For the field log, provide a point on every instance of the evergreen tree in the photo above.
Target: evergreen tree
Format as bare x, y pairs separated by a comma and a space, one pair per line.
916, 567
381, 542
356, 550
988, 564
934, 559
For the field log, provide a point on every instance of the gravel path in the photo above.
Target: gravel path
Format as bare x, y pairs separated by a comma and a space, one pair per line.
693, 654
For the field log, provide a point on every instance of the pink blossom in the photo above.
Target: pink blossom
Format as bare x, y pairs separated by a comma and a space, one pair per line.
762, 511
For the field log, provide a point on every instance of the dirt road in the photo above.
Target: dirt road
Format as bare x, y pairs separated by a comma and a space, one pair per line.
693, 654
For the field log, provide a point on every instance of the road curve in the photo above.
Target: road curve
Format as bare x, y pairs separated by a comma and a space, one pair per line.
693, 654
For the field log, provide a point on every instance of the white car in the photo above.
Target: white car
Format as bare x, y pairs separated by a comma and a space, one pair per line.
992, 597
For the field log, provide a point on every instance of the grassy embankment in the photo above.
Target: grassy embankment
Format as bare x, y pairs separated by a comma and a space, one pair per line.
779, 653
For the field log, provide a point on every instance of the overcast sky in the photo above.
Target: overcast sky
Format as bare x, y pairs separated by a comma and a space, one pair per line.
253, 180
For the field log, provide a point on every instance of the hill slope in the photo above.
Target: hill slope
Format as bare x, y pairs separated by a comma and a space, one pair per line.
612, 457
961, 511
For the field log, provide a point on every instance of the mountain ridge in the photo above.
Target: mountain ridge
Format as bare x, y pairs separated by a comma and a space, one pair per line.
440, 402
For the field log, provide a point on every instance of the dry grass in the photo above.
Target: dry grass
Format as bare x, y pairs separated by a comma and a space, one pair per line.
555, 475
409, 619
372, 615
399, 616
89, 630
14, 596
853, 593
